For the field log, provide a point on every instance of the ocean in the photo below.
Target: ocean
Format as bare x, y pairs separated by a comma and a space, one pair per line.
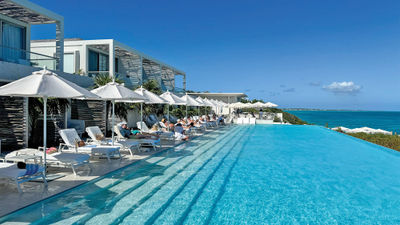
385, 120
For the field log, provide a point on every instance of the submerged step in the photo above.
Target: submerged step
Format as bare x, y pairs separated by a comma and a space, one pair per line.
147, 210
205, 180
135, 196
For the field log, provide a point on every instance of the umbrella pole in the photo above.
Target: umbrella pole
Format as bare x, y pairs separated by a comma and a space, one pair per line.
186, 112
44, 132
112, 126
141, 113
168, 117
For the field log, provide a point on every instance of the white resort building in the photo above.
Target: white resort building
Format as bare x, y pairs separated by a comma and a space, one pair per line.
73, 59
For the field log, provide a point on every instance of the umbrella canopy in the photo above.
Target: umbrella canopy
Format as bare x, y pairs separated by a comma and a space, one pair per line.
150, 96
238, 105
208, 102
258, 105
114, 91
190, 101
172, 99
151, 99
199, 99
45, 84
270, 105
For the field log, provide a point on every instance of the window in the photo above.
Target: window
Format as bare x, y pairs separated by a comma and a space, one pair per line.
69, 64
13, 40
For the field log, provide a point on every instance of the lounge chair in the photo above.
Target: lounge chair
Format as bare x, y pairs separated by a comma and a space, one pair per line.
153, 143
71, 138
58, 159
11, 171
163, 135
239, 120
252, 121
246, 120
94, 133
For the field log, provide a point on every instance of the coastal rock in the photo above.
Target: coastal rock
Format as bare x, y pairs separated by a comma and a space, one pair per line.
367, 130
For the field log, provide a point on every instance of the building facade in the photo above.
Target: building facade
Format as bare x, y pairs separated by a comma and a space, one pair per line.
76, 60
107, 56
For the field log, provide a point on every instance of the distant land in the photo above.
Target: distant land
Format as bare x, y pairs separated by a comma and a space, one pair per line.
307, 109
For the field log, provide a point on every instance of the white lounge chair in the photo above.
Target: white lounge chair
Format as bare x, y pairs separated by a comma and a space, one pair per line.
11, 171
246, 120
252, 121
239, 120
58, 159
163, 135
71, 138
94, 133
153, 143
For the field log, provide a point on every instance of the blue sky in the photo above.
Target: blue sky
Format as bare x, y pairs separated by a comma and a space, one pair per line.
316, 54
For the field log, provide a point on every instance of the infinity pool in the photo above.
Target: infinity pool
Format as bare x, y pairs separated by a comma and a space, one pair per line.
259, 174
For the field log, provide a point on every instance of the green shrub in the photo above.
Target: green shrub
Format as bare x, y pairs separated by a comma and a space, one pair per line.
389, 141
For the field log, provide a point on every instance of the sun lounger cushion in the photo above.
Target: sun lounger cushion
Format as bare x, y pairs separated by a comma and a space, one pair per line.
10, 170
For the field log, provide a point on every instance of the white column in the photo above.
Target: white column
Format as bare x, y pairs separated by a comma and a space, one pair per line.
60, 45
111, 59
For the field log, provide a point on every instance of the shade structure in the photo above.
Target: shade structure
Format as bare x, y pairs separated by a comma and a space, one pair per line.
190, 101
207, 102
45, 84
270, 105
258, 105
200, 100
237, 105
113, 92
172, 100
151, 98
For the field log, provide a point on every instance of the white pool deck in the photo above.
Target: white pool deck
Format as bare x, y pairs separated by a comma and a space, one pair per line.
11, 200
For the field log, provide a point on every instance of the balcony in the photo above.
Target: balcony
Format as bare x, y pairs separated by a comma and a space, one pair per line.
23, 57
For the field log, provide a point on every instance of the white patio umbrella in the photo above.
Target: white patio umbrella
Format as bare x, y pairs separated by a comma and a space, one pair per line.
237, 105
151, 99
172, 100
217, 105
190, 101
45, 84
258, 105
207, 102
270, 105
114, 91
200, 100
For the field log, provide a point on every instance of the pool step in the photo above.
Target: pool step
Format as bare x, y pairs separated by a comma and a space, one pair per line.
200, 211
124, 202
204, 182
149, 210
122, 185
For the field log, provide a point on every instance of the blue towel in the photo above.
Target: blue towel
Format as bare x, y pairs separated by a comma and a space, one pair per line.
31, 169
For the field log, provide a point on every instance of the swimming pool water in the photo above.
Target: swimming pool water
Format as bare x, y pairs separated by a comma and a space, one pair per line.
259, 174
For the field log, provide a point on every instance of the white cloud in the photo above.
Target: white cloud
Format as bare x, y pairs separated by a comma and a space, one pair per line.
343, 87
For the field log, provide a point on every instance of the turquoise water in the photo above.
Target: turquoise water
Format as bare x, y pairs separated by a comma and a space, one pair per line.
259, 174
389, 121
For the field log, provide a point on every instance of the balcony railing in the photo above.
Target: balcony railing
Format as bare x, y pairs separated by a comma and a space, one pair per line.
23, 57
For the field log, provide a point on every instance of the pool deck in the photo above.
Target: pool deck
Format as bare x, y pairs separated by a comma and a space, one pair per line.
11, 200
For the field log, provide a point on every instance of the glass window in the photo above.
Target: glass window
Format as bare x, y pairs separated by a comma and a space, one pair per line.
69, 64
14, 42
93, 61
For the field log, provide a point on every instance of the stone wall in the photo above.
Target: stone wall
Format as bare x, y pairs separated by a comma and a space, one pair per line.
12, 123
92, 112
